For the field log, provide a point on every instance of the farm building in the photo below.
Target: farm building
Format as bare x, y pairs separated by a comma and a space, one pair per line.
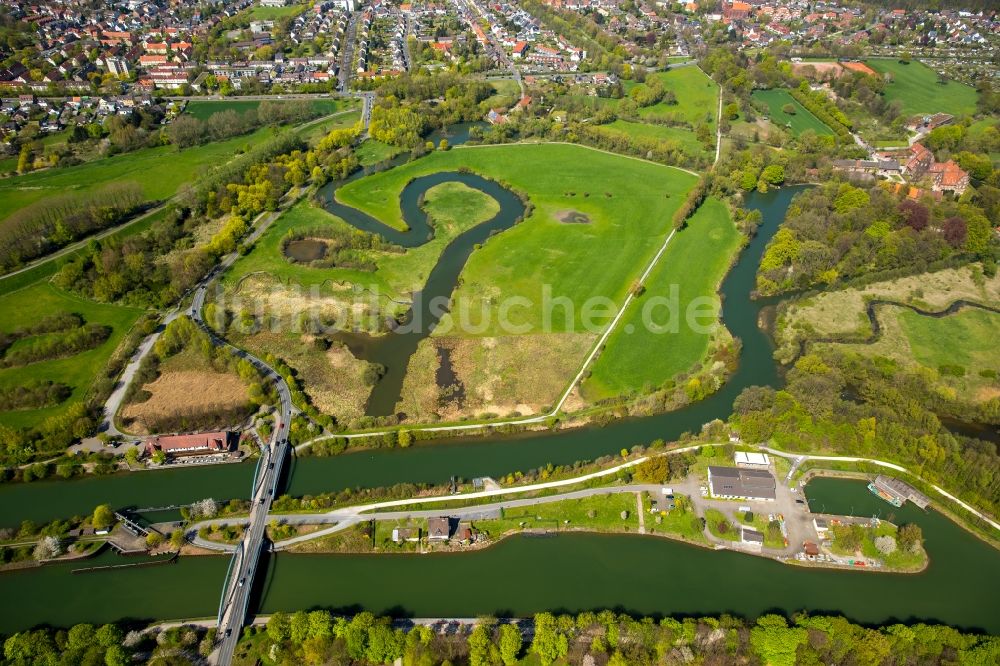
751, 460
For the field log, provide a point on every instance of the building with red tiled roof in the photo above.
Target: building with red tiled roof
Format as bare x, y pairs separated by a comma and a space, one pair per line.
198, 444
949, 177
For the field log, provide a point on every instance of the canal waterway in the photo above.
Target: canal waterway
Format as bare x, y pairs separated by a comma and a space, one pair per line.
568, 572
521, 575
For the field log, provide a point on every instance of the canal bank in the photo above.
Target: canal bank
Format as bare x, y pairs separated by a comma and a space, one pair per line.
523, 575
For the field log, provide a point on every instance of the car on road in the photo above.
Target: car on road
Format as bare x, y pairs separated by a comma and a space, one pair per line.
242, 580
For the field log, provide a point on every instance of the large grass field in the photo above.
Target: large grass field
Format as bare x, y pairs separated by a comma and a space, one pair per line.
694, 264
802, 120
686, 138
697, 96
203, 109
258, 13
40, 300
628, 204
916, 86
159, 170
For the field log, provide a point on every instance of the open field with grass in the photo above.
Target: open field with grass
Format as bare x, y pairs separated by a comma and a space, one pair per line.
372, 152
600, 513
203, 109
30, 305
915, 86
842, 312
960, 349
259, 13
626, 204
686, 138
802, 120
159, 170
697, 96
638, 355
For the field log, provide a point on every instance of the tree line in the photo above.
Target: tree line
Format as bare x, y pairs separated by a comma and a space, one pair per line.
57, 220
186, 130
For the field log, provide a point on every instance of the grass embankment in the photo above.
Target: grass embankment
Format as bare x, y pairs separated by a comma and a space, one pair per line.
637, 355
916, 86
30, 305
800, 121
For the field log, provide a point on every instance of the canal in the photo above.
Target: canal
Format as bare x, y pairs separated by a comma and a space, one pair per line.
522, 575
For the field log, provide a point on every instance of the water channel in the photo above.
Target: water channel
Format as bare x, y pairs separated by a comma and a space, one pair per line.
521, 575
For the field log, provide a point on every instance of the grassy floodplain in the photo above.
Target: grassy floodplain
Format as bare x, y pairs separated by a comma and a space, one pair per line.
628, 204
695, 261
802, 120
32, 304
915, 86
159, 170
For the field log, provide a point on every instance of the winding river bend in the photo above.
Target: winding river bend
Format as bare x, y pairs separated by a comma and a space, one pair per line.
394, 350
521, 575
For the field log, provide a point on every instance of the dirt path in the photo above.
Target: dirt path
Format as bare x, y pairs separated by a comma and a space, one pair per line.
640, 512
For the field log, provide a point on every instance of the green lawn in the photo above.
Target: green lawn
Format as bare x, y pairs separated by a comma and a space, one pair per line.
916, 86
317, 130
203, 109
686, 138
28, 306
159, 170
697, 96
601, 513
694, 264
971, 336
372, 152
259, 13
802, 120
628, 202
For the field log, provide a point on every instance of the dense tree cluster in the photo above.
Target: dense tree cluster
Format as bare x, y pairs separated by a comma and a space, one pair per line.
33, 394
893, 417
606, 637
838, 232
186, 130
56, 221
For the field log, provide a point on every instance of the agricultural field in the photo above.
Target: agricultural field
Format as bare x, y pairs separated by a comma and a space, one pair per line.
916, 86
35, 303
203, 109
159, 170
802, 120
635, 355
686, 138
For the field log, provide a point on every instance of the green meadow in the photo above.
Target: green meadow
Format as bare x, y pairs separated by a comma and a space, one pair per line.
626, 205
32, 304
694, 263
686, 138
203, 109
916, 86
697, 96
802, 120
159, 170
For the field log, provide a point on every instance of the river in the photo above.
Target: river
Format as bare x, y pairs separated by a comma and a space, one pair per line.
521, 575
